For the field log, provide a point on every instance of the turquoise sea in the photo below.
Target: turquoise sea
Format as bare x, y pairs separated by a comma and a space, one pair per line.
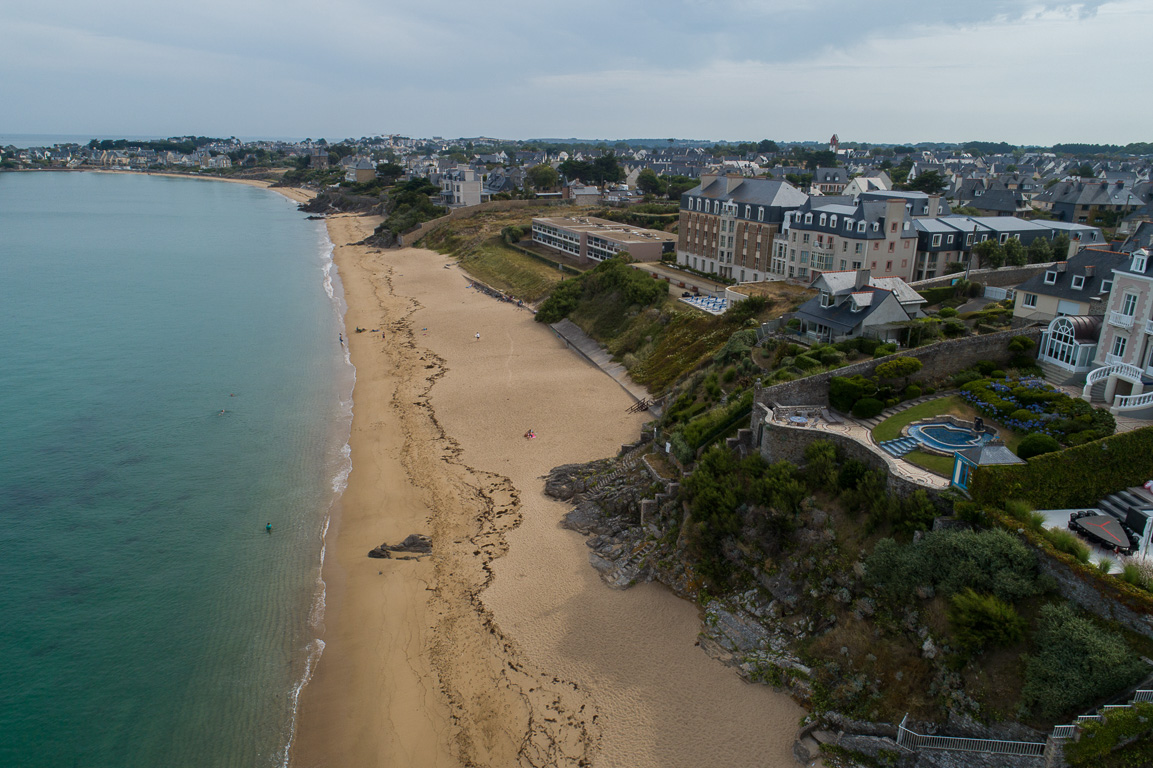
170, 382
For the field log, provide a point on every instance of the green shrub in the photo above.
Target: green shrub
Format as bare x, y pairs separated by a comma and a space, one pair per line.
954, 328
1134, 574
1121, 740
1076, 663
844, 391
806, 363
1021, 415
1021, 344
1067, 542
912, 391
947, 312
884, 349
729, 375
1036, 444
998, 374
867, 408
961, 378
979, 621
989, 561
898, 368
985, 367
1018, 509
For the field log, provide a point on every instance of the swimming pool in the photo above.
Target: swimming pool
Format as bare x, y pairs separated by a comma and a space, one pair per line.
947, 438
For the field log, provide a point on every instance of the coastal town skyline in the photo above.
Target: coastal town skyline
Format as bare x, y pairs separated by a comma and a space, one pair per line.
898, 72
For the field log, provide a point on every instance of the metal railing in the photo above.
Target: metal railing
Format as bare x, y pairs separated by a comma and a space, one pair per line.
1139, 696
1064, 731
913, 741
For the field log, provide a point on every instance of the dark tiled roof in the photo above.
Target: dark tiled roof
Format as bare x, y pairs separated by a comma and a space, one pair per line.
842, 315
1103, 263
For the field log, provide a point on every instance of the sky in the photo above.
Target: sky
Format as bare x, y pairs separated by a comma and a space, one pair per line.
883, 71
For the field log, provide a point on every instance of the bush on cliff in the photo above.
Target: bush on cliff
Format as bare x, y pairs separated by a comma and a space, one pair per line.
1037, 444
1076, 663
867, 408
981, 620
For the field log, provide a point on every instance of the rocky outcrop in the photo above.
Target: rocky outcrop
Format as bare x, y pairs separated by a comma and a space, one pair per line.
415, 545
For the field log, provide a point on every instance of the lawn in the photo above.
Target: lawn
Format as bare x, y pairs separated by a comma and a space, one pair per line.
511, 271
890, 429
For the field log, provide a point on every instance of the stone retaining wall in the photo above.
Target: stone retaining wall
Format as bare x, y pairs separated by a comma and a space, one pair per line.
1005, 277
780, 442
938, 360
1082, 592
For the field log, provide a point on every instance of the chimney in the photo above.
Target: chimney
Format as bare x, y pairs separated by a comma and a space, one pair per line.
934, 206
732, 181
708, 178
1088, 270
862, 280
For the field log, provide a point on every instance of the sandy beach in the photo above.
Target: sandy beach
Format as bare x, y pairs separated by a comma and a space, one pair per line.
503, 647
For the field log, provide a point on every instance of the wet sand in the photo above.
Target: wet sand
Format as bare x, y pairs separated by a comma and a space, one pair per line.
503, 647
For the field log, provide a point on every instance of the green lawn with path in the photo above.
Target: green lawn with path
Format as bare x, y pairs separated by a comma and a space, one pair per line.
950, 405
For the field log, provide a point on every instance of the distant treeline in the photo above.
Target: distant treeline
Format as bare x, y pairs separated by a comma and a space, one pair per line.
1136, 148
185, 145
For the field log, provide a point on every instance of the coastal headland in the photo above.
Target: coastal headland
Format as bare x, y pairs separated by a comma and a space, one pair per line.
502, 647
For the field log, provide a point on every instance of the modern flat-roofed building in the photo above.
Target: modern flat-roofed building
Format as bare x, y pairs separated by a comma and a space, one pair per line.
592, 239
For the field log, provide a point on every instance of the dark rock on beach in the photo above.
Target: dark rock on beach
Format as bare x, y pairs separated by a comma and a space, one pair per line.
415, 543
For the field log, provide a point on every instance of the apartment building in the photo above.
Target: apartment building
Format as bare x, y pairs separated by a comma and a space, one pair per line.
728, 223
592, 239
836, 234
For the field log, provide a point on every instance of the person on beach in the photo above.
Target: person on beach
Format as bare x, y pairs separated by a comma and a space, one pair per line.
341, 335
478, 335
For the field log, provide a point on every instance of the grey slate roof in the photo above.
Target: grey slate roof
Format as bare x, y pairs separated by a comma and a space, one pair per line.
842, 316
990, 454
1103, 264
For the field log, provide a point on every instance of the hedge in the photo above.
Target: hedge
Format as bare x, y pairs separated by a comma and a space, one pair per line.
1074, 477
938, 294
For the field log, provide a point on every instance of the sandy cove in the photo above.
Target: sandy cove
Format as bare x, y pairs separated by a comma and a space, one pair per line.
503, 647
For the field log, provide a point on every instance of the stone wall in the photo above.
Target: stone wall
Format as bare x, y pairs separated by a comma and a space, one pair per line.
780, 442
1005, 277
1082, 592
939, 360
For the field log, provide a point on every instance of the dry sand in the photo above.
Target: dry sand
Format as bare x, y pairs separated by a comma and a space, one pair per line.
503, 648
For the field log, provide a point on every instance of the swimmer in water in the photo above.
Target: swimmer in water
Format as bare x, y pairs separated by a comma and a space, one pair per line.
268, 527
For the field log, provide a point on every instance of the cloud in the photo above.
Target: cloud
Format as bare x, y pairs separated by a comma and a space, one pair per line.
897, 70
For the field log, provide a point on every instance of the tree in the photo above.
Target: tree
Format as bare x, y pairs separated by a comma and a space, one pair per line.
1014, 253
989, 253
389, 171
767, 145
1040, 251
651, 184
543, 176
678, 185
929, 182
981, 620
898, 368
1061, 247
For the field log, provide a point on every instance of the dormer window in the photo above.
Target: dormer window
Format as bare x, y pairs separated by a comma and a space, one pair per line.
833, 220
950, 239
876, 226
936, 240
1106, 286
1050, 278
748, 211
1004, 238
905, 226
1140, 257
849, 224
826, 299
823, 219
808, 218
761, 213
1078, 282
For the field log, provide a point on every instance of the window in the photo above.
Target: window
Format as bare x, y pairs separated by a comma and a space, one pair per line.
748, 211
892, 246
968, 239
1119, 343
893, 227
1050, 277
860, 226
844, 246
761, 213
1004, 238
907, 244
1106, 286
823, 219
876, 226
1139, 259
833, 220
1078, 282
937, 241
1030, 300
905, 226
843, 265
848, 224
826, 299
1129, 305
808, 218
888, 267
805, 237
858, 248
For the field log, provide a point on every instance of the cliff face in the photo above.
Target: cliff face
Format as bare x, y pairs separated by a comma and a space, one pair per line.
800, 615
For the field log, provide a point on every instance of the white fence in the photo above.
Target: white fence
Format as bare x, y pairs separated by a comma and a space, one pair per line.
913, 741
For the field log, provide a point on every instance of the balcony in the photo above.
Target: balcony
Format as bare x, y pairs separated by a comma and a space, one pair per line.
1114, 359
1119, 320
1149, 327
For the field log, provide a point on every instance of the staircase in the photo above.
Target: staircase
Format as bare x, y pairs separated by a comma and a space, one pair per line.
1119, 505
899, 447
1058, 376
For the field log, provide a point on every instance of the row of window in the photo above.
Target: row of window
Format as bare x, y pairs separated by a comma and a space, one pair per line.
714, 206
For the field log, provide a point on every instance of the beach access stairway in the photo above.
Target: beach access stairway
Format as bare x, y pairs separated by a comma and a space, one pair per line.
899, 447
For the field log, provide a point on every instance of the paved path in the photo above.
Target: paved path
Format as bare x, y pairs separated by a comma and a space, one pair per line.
590, 350
861, 431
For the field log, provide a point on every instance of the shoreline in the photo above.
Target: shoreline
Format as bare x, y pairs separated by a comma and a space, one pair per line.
502, 647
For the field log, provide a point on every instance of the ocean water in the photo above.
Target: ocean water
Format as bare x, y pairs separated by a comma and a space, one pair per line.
170, 382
